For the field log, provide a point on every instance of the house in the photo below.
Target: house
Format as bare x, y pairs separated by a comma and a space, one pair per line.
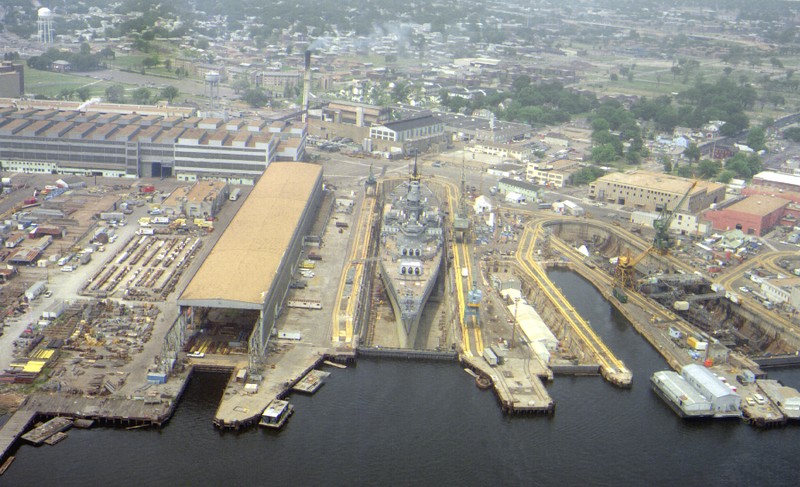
61, 66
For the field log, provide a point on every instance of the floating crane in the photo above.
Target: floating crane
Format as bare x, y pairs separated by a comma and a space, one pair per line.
662, 243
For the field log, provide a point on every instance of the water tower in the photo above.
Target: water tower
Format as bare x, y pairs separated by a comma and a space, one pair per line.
212, 83
44, 24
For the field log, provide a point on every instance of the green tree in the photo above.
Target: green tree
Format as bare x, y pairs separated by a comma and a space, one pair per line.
141, 96
692, 152
586, 175
604, 154
726, 176
685, 171
666, 163
115, 94
255, 97
84, 93
707, 169
170, 93
757, 138
150, 62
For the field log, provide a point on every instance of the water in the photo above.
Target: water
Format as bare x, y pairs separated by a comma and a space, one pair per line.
404, 423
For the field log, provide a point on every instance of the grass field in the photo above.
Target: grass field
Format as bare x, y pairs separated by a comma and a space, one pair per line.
51, 84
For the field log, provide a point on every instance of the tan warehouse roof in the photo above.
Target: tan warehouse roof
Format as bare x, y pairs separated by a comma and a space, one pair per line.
246, 259
658, 182
760, 205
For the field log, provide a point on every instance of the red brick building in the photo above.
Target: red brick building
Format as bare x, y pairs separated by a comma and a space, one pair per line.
754, 215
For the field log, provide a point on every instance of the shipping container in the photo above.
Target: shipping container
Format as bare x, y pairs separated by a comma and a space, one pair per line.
490, 356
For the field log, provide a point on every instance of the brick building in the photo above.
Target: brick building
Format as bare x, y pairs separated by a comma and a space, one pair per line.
754, 215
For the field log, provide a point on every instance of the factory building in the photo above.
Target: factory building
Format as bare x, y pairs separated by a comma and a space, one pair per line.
754, 215
403, 136
527, 190
651, 191
135, 144
777, 180
250, 267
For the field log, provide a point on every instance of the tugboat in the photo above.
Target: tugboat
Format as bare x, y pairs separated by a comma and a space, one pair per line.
410, 252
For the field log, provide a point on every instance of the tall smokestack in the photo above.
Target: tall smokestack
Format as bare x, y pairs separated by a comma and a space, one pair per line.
306, 84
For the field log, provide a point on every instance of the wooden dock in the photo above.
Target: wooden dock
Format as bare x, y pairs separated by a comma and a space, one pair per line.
13, 429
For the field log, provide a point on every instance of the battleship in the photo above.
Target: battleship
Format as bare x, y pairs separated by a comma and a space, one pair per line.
410, 252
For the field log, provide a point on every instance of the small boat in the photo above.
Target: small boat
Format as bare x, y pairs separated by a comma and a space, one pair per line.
276, 413
7, 464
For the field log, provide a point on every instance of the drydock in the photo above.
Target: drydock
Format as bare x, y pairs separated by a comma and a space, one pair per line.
411, 244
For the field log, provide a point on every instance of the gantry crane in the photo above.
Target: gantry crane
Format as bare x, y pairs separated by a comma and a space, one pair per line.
662, 243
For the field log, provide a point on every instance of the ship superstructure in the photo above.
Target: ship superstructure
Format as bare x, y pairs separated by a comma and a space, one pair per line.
410, 252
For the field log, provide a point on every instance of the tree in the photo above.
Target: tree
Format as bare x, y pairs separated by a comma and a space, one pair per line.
84, 93
685, 172
692, 152
756, 138
240, 84
604, 154
141, 96
150, 62
666, 163
108, 53
170, 93
115, 94
255, 97
726, 176
586, 175
707, 168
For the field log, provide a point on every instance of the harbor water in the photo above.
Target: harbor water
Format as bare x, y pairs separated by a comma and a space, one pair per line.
412, 423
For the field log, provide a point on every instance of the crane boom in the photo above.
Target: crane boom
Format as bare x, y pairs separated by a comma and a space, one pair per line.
662, 241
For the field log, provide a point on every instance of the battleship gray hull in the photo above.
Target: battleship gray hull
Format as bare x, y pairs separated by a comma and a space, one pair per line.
410, 254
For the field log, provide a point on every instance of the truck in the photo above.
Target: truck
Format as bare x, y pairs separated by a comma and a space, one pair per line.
620, 295
235, 194
489, 356
464, 272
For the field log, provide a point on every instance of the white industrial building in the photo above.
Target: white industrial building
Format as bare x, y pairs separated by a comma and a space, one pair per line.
681, 393
724, 401
482, 205
535, 330
682, 223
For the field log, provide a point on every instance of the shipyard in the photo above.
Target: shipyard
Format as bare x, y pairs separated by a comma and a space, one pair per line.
145, 245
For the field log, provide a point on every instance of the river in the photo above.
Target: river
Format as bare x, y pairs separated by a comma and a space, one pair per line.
410, 423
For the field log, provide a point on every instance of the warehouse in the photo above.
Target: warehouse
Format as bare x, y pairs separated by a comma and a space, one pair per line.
723, 399
132, 144
651, 191
249, 269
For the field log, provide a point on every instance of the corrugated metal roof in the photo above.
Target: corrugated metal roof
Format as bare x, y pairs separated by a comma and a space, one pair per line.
708, 380
246, 259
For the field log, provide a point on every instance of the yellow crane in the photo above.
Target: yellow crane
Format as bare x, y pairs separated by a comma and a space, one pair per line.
662, 243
